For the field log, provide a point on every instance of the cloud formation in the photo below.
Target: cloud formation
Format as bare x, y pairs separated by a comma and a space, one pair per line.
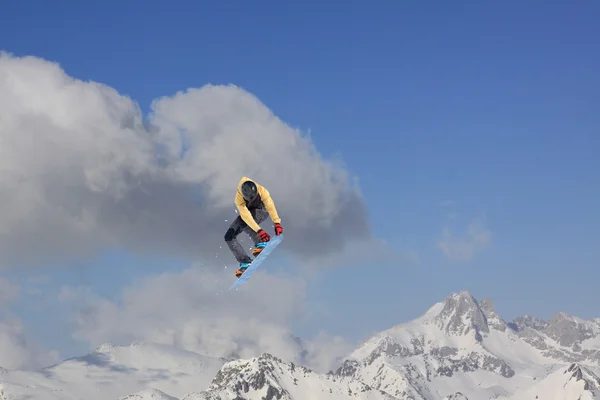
194, 310
461, 248
17, 350
81, 168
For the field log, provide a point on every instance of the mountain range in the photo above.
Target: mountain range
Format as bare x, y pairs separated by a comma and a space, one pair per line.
459, 349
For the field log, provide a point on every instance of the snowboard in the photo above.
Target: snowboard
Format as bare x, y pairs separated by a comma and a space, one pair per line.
274, 242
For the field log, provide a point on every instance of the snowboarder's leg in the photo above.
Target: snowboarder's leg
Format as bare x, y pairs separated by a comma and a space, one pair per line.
236, 227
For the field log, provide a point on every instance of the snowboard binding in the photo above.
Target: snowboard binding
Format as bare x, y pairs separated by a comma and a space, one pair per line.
258, 248
255, 252
240, 271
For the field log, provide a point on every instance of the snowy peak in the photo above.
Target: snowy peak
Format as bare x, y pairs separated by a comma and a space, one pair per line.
268, 377
462, 315
454, 329
564, 337
494, 320
568, 330
459, 349
528, 321
457, 343
257, 374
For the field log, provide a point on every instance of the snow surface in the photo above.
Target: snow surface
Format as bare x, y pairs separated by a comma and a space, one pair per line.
269, 377
591, 344
112, 372
149, 394
459, 349
563, 384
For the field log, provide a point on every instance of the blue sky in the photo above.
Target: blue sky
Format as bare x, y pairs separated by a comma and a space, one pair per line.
482, 111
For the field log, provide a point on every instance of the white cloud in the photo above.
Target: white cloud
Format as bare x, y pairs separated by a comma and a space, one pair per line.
195, 310
477, 238
325, 352
17, 351
80, 169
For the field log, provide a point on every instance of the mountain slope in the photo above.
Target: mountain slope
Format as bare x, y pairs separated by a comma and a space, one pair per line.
564, 337
462, 347
565, 383
459, 349
267, 377
112, 372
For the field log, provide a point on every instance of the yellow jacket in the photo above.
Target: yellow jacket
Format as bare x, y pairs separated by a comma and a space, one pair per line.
265, 197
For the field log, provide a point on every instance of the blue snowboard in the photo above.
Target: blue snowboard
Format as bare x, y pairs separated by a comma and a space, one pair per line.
274, 242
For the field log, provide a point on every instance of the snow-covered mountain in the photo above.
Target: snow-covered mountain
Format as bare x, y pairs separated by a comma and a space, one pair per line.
267, 377
459, 349
148, 371
571, 339
112, 372
570, 382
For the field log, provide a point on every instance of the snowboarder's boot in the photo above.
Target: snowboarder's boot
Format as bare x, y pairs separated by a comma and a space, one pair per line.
240, 271
258, 248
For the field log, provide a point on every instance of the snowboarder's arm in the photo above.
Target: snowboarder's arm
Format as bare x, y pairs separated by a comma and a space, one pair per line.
267, 200
245, 213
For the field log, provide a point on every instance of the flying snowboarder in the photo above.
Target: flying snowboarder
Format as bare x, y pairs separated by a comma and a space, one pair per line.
254, 204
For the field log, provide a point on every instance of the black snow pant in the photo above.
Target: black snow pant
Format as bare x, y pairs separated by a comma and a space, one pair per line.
238, 226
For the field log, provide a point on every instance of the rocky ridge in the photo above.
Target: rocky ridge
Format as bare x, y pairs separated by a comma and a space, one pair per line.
462, 338
459, 349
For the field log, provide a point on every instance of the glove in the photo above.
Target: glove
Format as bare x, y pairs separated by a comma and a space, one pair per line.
278, 229
264, 236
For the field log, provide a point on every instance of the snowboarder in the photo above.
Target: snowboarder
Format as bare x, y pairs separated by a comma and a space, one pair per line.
254, 204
